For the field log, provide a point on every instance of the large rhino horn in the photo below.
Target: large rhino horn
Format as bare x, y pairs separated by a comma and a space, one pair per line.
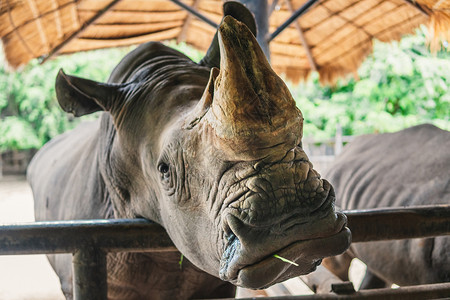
237, 11
252, 109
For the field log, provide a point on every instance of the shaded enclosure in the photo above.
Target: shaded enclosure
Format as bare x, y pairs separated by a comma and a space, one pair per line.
329, 36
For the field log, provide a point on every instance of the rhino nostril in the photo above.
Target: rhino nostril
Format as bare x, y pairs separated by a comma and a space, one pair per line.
236, 226
226, 228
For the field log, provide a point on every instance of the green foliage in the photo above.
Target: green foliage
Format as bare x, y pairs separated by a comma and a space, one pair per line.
29, 112
190, 52
400, 85
17, 134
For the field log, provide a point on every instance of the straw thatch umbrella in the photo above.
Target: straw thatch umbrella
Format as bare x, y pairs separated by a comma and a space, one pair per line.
330, 36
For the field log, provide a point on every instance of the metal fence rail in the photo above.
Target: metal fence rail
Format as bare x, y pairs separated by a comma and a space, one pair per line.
113, 235
427, 291
90, 240
398, 223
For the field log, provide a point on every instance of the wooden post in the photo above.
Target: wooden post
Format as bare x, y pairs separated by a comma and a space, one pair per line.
260, 10
182, 36
309, 55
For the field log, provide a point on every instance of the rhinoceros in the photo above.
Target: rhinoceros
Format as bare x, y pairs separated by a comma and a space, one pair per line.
212, 154
409, 167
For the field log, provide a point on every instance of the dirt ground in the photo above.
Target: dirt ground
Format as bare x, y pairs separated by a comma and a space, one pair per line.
25, 277
30, 277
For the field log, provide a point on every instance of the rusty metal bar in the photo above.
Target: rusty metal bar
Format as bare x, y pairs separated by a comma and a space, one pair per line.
398, 223
142, 235
299, 12
90, 240
428, 291
422, 9
195, 13
69, 236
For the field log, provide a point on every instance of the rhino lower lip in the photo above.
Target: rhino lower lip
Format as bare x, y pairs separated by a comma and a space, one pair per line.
270, 270
306, 251
276, 271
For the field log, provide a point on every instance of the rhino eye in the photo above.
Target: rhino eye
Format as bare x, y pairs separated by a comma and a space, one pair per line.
164, 169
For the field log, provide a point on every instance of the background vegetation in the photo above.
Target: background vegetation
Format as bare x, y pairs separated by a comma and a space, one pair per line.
29, 112
401, 84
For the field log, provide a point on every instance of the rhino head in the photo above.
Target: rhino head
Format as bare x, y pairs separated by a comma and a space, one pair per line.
214, 156
265, 196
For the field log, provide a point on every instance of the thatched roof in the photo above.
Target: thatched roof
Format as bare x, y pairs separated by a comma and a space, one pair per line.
337, 34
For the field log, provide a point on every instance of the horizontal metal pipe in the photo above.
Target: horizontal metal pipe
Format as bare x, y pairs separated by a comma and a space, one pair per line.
398, 223
142, 235
68, 236
428, 291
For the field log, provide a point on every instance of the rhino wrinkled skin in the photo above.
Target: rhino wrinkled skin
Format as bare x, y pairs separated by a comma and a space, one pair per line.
211, 152
406, 168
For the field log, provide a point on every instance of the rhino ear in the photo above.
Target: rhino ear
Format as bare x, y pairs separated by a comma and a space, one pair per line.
82, 96
240, 13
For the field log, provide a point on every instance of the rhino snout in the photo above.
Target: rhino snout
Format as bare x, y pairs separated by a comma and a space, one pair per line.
248, 258
278, 213
281, 192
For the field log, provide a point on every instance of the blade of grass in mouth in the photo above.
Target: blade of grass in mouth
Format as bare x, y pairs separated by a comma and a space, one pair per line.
181, 261
285, 260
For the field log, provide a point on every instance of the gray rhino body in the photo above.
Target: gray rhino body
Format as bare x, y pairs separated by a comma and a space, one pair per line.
70, 181
406, 168
214, 156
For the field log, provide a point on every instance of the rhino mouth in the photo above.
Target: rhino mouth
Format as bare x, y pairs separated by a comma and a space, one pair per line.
307, 254
248, 258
